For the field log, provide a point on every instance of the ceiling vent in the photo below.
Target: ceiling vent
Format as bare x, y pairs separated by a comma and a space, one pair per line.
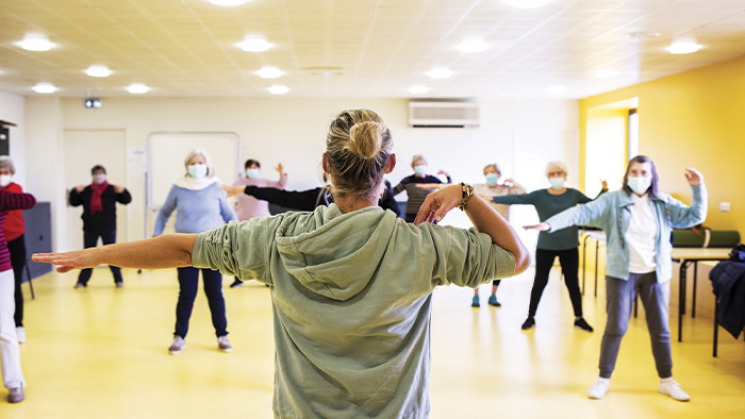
443, 114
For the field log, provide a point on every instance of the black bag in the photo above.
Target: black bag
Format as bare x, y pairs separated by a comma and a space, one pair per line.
738, 253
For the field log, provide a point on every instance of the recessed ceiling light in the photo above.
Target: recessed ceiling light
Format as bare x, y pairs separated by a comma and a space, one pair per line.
643, 34
229, 3
606, 73
98, 71
439, 73
278, 89
255, 44
45, 88
137, 88
418, 89
526, 4
472, 45
683, 46
557, 90
35, 42
269, 72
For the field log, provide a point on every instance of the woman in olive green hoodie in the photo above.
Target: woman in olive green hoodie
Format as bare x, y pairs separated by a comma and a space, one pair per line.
351, 284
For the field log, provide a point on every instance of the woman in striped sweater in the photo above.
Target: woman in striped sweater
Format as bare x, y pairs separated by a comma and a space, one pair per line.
10, 355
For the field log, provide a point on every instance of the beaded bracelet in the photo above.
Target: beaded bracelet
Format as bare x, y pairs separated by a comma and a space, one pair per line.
467, 194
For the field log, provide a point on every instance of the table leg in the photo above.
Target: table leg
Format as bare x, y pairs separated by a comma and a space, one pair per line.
597, 245
693, 297
584, 262
681, 297
716, 328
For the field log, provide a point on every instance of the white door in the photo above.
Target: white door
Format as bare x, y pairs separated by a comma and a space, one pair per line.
166, 154
83, 150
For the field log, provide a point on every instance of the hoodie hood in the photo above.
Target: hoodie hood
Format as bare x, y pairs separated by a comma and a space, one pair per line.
339, 257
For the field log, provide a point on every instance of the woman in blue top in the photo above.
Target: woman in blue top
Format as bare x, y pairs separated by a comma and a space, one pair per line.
548, 202
637, 221
200, 206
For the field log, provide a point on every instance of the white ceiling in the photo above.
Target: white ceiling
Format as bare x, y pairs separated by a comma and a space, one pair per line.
371, 48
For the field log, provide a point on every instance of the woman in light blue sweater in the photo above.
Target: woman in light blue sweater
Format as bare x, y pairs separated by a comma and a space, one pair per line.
637, 221
351, 284
200, 206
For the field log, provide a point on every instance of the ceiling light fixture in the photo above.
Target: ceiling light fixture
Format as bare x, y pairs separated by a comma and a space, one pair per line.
606, 73
557, 90
526, 4
98, 71
44, 88
35, 42
439, 73
683, 46
255, 44
269, 72
229, 3
278, 89
418, 89
137, 88
472, 45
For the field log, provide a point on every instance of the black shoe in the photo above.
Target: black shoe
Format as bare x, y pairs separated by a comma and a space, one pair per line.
528, 323
237, 283
582, 324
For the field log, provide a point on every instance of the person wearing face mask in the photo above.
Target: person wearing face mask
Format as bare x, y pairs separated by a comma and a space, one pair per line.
548, 202
249, 207
637, 221
487, 190
200, 206
99, 216
417, 195
14, 230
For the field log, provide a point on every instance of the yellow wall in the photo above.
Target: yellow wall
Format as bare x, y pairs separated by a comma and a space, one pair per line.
693, 119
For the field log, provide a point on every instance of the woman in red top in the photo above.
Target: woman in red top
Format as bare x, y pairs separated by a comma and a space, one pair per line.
14, 230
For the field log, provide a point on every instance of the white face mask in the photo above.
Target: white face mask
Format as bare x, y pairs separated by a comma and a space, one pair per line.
252, 173
556, 182
197, 171
5, 180
639, 184
99, 178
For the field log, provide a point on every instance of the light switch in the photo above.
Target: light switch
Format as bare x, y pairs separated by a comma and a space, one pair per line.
724, 206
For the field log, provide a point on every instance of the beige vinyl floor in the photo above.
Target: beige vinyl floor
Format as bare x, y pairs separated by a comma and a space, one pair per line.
101, 352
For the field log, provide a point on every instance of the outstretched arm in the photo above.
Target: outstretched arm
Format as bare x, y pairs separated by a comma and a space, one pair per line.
168, 251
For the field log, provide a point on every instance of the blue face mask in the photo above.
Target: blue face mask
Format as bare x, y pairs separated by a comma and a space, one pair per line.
420, 169
491, 179
197, 171
252, 173
556, 182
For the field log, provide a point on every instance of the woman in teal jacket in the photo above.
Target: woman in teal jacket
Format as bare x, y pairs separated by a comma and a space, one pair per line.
637, 221
351, 284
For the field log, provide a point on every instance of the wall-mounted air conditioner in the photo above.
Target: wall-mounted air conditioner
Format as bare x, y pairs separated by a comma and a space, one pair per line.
443, 114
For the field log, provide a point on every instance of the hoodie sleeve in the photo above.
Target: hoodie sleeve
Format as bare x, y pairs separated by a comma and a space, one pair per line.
468, 258
238, 249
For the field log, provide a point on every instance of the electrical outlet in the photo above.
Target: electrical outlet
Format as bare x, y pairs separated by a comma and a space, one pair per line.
724, 206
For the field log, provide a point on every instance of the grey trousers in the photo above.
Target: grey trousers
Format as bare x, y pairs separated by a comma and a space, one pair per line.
619, 302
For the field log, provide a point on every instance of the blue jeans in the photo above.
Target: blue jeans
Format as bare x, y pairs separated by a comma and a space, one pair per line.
90, 239
188, 279
655, 297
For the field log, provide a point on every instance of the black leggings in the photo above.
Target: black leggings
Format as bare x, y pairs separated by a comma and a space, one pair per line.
17, 249
569, 260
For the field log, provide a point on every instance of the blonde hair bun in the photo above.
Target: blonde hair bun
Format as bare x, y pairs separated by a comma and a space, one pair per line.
366, 139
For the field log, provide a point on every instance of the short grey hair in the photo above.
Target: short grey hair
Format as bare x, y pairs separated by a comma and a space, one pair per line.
199, 151
556, 165
416, 158
6, 161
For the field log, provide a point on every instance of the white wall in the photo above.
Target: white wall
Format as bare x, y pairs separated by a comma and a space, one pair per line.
11, 110
520, 135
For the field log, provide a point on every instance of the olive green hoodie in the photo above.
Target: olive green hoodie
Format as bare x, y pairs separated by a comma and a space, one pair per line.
352, 298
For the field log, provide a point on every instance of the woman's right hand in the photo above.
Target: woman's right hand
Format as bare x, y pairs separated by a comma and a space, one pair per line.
77, 259
539, 227
439, 203
233, 190
80, 188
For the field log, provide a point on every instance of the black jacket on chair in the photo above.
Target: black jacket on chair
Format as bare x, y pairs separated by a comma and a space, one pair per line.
728, 281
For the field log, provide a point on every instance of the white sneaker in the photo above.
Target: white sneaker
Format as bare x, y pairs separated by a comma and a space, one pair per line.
21, 333
670, 387
178, 345
223, 344
599, 388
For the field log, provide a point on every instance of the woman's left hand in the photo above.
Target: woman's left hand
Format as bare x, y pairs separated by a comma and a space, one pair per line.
280, 169
539, 227
604, 184
77, 259
233, 190
694, 177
